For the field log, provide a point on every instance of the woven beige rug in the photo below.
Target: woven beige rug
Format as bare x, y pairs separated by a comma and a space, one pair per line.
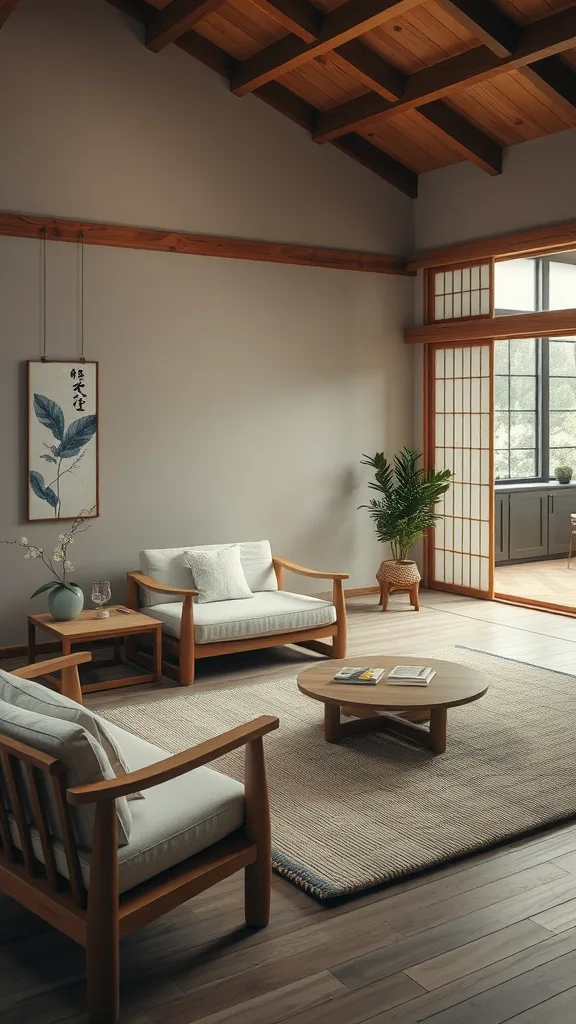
352, 816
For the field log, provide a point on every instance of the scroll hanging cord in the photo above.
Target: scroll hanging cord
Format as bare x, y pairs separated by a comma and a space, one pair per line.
43, 354
81, 296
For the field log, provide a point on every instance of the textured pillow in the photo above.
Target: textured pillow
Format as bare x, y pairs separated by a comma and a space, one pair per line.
24, 693
85, 762
218, 574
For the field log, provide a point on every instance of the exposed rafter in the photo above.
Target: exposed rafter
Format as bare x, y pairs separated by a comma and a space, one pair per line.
352, 19
6, 8
487, 22
297, 16
167, 25
384, 80
554, 78
472, 143
281, 99
538, 41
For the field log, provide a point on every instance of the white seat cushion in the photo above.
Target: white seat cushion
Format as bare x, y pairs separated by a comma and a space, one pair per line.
176, 820
267, 613
169, 565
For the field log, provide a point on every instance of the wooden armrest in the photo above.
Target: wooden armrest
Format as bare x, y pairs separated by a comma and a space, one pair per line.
173, 766
162, 588
302, 571
44, 668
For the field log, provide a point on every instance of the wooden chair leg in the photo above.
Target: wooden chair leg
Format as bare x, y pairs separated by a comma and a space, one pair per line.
340, 641
257, 876
570, 547
186, 645
102, 933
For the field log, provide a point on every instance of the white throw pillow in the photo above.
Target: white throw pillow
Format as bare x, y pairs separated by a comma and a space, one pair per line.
25, 693
218, 574
85, 763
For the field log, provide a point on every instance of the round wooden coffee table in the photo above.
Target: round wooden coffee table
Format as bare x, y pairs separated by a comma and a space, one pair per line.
381, 707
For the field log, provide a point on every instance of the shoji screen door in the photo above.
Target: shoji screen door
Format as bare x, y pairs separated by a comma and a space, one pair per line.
460, 420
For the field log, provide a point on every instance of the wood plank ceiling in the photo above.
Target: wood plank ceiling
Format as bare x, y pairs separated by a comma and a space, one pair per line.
402, 86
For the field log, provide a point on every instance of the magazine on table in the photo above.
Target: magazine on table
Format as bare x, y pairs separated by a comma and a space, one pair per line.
363, 675
411, 675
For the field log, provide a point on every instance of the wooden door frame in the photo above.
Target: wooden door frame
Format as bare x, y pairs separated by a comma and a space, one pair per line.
429, 407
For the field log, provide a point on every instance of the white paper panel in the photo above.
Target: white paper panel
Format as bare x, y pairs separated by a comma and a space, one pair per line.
462, 423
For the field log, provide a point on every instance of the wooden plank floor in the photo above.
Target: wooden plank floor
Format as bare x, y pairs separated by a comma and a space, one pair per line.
550, 580
486, 940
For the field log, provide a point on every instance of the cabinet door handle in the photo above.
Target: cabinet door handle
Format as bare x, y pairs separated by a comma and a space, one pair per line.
551, 496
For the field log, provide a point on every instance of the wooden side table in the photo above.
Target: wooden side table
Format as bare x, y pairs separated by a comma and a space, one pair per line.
87, 628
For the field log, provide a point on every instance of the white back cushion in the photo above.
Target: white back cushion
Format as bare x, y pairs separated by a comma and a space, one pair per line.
24, 693
169, 565
83, 756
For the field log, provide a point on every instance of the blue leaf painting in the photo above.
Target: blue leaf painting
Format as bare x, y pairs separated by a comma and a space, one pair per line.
40, 490
48, 458
50, 415
77, 435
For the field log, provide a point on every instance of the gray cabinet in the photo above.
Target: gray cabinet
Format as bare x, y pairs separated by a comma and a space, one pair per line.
501, 521
532, 523
560, 506
528, 524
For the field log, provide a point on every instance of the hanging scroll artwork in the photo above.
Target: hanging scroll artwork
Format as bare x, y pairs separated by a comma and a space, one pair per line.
62, 439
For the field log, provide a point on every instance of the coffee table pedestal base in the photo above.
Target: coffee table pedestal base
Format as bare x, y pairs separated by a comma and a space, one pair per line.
433, 738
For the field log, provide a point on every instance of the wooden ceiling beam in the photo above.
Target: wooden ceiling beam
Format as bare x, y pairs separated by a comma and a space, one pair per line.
472, 143
555, 79
487, 22
373, 70
173, 21
352, 19
300, 17
6, 8
539, 41
284, 101
379, 162
382, 78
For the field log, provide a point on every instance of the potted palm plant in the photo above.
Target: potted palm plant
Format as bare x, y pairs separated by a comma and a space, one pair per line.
404, 511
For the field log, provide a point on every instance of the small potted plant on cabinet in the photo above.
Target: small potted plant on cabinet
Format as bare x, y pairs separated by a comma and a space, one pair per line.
563, 474
402, 514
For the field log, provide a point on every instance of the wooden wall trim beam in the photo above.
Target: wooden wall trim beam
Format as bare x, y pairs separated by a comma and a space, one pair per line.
168, 24
472, 143
487, 22
548, 324
547, 37
6, 8
127, 237
300, 17
282, 100
534, 241
352, 19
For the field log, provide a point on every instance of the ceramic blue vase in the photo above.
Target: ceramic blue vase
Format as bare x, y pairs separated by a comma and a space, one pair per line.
63, 604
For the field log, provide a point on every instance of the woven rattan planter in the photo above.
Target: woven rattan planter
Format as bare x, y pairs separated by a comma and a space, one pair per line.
398, 574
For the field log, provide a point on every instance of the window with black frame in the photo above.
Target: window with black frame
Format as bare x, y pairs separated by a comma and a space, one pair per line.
535, 378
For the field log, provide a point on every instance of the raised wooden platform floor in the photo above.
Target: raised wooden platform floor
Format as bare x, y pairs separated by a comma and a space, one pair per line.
487, 940
550, 581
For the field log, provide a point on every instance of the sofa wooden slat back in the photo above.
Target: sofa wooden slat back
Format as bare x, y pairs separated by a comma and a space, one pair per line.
27, 806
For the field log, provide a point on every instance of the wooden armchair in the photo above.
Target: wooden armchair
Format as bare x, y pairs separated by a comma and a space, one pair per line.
97, 913
187, 637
